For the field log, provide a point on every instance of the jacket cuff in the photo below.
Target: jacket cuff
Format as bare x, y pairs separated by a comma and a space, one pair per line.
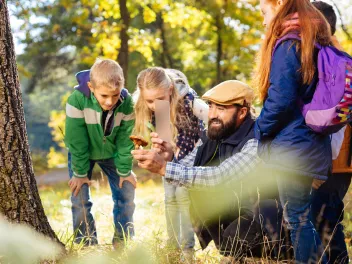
123, 174
79, 175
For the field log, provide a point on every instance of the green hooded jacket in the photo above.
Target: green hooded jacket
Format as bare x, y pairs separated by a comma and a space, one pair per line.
84, 134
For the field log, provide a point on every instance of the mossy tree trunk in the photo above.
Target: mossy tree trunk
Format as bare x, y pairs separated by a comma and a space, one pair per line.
19, 197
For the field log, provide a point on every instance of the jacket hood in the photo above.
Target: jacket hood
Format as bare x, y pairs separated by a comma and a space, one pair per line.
83, 78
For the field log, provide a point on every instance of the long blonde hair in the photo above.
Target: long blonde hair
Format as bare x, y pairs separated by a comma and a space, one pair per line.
155, 78
313, 28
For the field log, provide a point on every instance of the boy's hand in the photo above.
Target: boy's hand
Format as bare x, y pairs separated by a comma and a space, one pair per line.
162, 147
150, 160
76, 183
132, 179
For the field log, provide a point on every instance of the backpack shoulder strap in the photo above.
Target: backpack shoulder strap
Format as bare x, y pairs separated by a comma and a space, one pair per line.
293, 36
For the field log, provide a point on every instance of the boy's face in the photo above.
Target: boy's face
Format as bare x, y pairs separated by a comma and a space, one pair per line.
106, 97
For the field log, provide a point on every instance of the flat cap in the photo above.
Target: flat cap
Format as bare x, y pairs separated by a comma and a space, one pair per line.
229, 93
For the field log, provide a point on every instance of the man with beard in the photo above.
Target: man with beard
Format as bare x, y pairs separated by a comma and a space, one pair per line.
222, 207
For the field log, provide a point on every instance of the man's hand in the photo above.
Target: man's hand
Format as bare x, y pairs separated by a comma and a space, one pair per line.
162, 147
150, 160
76, 183
132, 179
317, 183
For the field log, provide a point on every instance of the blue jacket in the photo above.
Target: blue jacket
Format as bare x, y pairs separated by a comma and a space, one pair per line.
285, 141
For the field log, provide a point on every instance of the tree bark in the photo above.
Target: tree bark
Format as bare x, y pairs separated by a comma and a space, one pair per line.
19, 197
165, 54
122, 58
219, 51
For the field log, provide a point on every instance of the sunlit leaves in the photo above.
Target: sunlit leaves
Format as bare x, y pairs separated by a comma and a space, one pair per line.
149, 15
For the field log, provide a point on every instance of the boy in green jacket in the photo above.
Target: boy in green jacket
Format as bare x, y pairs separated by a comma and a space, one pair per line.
99, 121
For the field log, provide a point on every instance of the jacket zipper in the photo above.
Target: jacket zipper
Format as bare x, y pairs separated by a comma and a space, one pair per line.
111, 112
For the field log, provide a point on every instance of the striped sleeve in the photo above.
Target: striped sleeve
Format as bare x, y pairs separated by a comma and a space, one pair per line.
76, 134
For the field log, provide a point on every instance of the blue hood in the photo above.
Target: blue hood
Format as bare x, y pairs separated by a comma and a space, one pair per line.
83, 79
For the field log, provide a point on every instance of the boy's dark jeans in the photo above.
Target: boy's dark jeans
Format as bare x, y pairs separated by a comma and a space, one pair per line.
83, 221
327, 215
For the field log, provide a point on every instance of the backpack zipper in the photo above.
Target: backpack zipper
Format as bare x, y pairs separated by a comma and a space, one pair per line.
333, 79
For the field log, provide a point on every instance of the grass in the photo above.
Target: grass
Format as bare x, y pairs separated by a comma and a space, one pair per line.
150, 227
149, 221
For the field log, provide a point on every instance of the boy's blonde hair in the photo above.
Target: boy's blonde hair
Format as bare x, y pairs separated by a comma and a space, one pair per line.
157, 78
107, 73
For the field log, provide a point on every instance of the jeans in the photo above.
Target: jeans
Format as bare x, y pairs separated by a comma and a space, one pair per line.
83, 221
295, 198
327, 215
178, 221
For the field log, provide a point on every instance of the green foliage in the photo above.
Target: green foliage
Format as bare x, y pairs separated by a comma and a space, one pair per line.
39, 162
57, 124
345, 42
63, 37
69, 35
56, 158
210, 41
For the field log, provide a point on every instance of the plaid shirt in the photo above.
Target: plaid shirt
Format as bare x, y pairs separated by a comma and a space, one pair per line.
233, 168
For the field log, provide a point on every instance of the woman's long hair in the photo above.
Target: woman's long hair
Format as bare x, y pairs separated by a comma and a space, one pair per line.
156, 78
312, 28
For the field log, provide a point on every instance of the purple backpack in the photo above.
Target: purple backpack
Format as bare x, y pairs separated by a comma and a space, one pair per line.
331, 105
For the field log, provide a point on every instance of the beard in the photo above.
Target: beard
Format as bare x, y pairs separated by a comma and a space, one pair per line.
224, 130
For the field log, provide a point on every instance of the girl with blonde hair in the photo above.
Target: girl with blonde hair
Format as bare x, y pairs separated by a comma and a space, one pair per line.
186, 115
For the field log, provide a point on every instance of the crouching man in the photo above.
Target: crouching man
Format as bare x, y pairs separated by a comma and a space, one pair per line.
217, 172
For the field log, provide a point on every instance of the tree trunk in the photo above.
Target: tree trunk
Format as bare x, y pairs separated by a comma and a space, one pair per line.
122, 58
165, 47
219, 51
19, 197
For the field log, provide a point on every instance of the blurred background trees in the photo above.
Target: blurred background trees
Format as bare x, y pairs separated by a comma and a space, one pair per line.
209, 40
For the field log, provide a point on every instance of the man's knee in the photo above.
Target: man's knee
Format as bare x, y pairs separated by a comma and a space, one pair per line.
242, 238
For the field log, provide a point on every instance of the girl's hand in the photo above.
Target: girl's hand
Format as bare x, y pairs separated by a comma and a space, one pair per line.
162, 147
